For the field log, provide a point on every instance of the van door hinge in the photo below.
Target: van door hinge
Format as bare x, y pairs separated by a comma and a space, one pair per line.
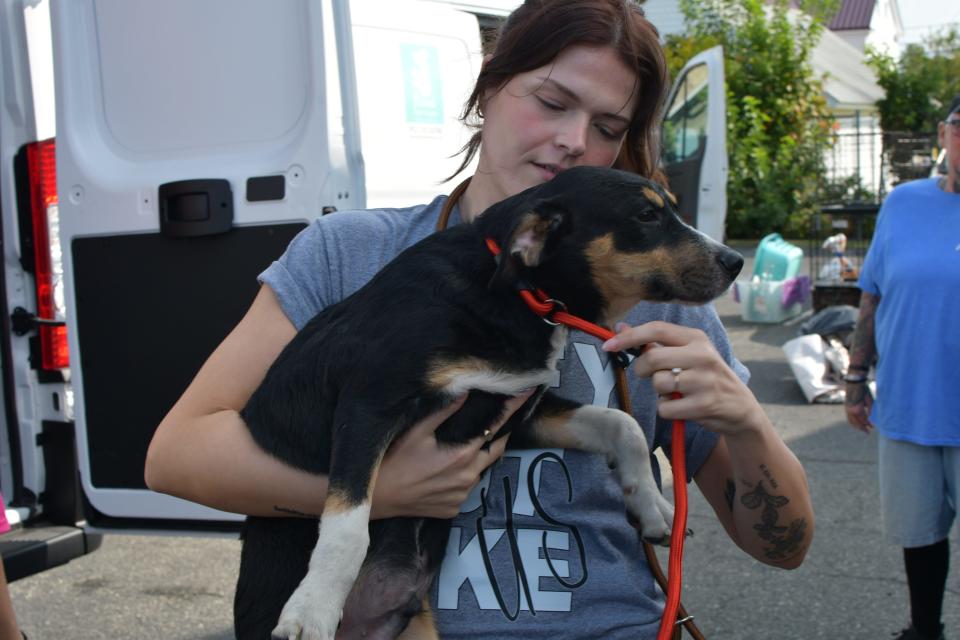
24, 322
62, 503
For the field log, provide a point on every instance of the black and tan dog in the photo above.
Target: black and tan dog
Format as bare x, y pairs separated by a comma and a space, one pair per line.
442, 319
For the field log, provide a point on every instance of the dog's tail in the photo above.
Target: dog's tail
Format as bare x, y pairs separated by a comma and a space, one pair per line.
274, 559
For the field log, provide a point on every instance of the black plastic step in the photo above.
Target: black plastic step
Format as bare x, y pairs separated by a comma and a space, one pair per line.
32, 549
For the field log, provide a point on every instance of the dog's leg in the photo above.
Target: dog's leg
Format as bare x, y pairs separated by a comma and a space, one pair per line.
274, 559
313, 611
391, 591
616, 435
422, 626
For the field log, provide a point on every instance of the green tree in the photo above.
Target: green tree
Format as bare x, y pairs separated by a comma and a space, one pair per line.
778, 124
920, 84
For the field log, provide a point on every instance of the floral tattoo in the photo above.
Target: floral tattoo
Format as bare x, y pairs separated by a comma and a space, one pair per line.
729, 493
784, 540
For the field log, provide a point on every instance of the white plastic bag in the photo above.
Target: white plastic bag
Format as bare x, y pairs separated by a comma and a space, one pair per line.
808, 361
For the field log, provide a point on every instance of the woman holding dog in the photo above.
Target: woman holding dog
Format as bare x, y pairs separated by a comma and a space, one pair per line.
908, 312
544, 549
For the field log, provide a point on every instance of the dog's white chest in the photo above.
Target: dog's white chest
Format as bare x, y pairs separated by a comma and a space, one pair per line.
470, 374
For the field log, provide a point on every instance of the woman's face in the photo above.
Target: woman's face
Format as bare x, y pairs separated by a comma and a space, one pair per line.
575, 111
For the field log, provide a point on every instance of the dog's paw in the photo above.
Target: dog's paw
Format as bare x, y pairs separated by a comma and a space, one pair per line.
307, 617
303, 629
651, 514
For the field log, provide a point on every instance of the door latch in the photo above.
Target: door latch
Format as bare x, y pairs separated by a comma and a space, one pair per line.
23, 322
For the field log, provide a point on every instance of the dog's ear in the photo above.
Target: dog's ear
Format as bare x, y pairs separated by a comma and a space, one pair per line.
531, 239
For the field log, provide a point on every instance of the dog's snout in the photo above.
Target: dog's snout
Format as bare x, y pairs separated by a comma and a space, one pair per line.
731, 261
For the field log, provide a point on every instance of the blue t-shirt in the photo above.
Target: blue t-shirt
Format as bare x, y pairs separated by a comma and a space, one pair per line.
559, 512
913, 265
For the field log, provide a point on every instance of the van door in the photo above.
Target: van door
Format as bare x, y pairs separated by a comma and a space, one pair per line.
695, 143
194, 141
37, 459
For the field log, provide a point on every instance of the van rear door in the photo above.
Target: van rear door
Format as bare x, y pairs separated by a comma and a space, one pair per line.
37, 470
194, 140
695, 142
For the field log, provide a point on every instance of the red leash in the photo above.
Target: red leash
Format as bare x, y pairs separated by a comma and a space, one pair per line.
547, 308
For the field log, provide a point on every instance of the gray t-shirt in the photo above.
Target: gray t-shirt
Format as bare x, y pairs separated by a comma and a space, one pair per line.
548, 553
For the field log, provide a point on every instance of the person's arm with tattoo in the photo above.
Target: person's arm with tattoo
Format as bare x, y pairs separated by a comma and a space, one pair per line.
863, 348
754, 483
758, 490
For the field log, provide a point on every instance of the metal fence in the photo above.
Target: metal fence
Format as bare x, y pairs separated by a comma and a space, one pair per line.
908, 156
862, 166
865, 163
855, 162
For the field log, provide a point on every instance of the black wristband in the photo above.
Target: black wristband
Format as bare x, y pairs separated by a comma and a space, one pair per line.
857, 367
854, 379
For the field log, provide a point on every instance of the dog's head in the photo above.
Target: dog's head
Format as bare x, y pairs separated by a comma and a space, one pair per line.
602, 240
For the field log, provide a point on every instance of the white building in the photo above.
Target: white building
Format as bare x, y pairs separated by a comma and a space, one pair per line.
875, 23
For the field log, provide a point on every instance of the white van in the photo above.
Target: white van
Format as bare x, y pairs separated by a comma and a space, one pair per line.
191, 141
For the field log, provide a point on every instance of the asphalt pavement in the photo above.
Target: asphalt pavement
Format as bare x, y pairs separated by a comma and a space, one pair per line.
851, 585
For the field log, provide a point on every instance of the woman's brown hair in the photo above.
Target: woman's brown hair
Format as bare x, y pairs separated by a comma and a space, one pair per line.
539, 30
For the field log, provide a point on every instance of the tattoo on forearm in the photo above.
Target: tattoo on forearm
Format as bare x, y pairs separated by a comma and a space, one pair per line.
856, 394
294, 512
769, 476
785, 541
729, 493
863, 346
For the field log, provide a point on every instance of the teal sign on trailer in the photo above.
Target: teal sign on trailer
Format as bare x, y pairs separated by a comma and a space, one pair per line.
421, 83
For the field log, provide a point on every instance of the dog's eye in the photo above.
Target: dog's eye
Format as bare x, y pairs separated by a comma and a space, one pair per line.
647, 214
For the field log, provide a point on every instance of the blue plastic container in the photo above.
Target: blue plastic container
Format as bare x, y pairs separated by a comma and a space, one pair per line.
777, 259
761, 295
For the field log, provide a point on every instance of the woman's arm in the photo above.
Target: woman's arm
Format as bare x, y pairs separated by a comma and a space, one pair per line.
758, 490
754, 483
203, 452
863, 349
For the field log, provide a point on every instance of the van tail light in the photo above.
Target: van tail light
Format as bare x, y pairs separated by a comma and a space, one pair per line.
42, 168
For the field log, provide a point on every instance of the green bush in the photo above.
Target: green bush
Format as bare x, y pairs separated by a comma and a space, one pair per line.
919, 85
846, 190
778, 124
918, 88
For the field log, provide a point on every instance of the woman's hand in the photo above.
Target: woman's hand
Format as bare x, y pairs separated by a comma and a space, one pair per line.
421, 478
712, 394
749, 456
858, 403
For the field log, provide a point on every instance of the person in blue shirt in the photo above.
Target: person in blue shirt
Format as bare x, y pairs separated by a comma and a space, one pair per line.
908, 320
